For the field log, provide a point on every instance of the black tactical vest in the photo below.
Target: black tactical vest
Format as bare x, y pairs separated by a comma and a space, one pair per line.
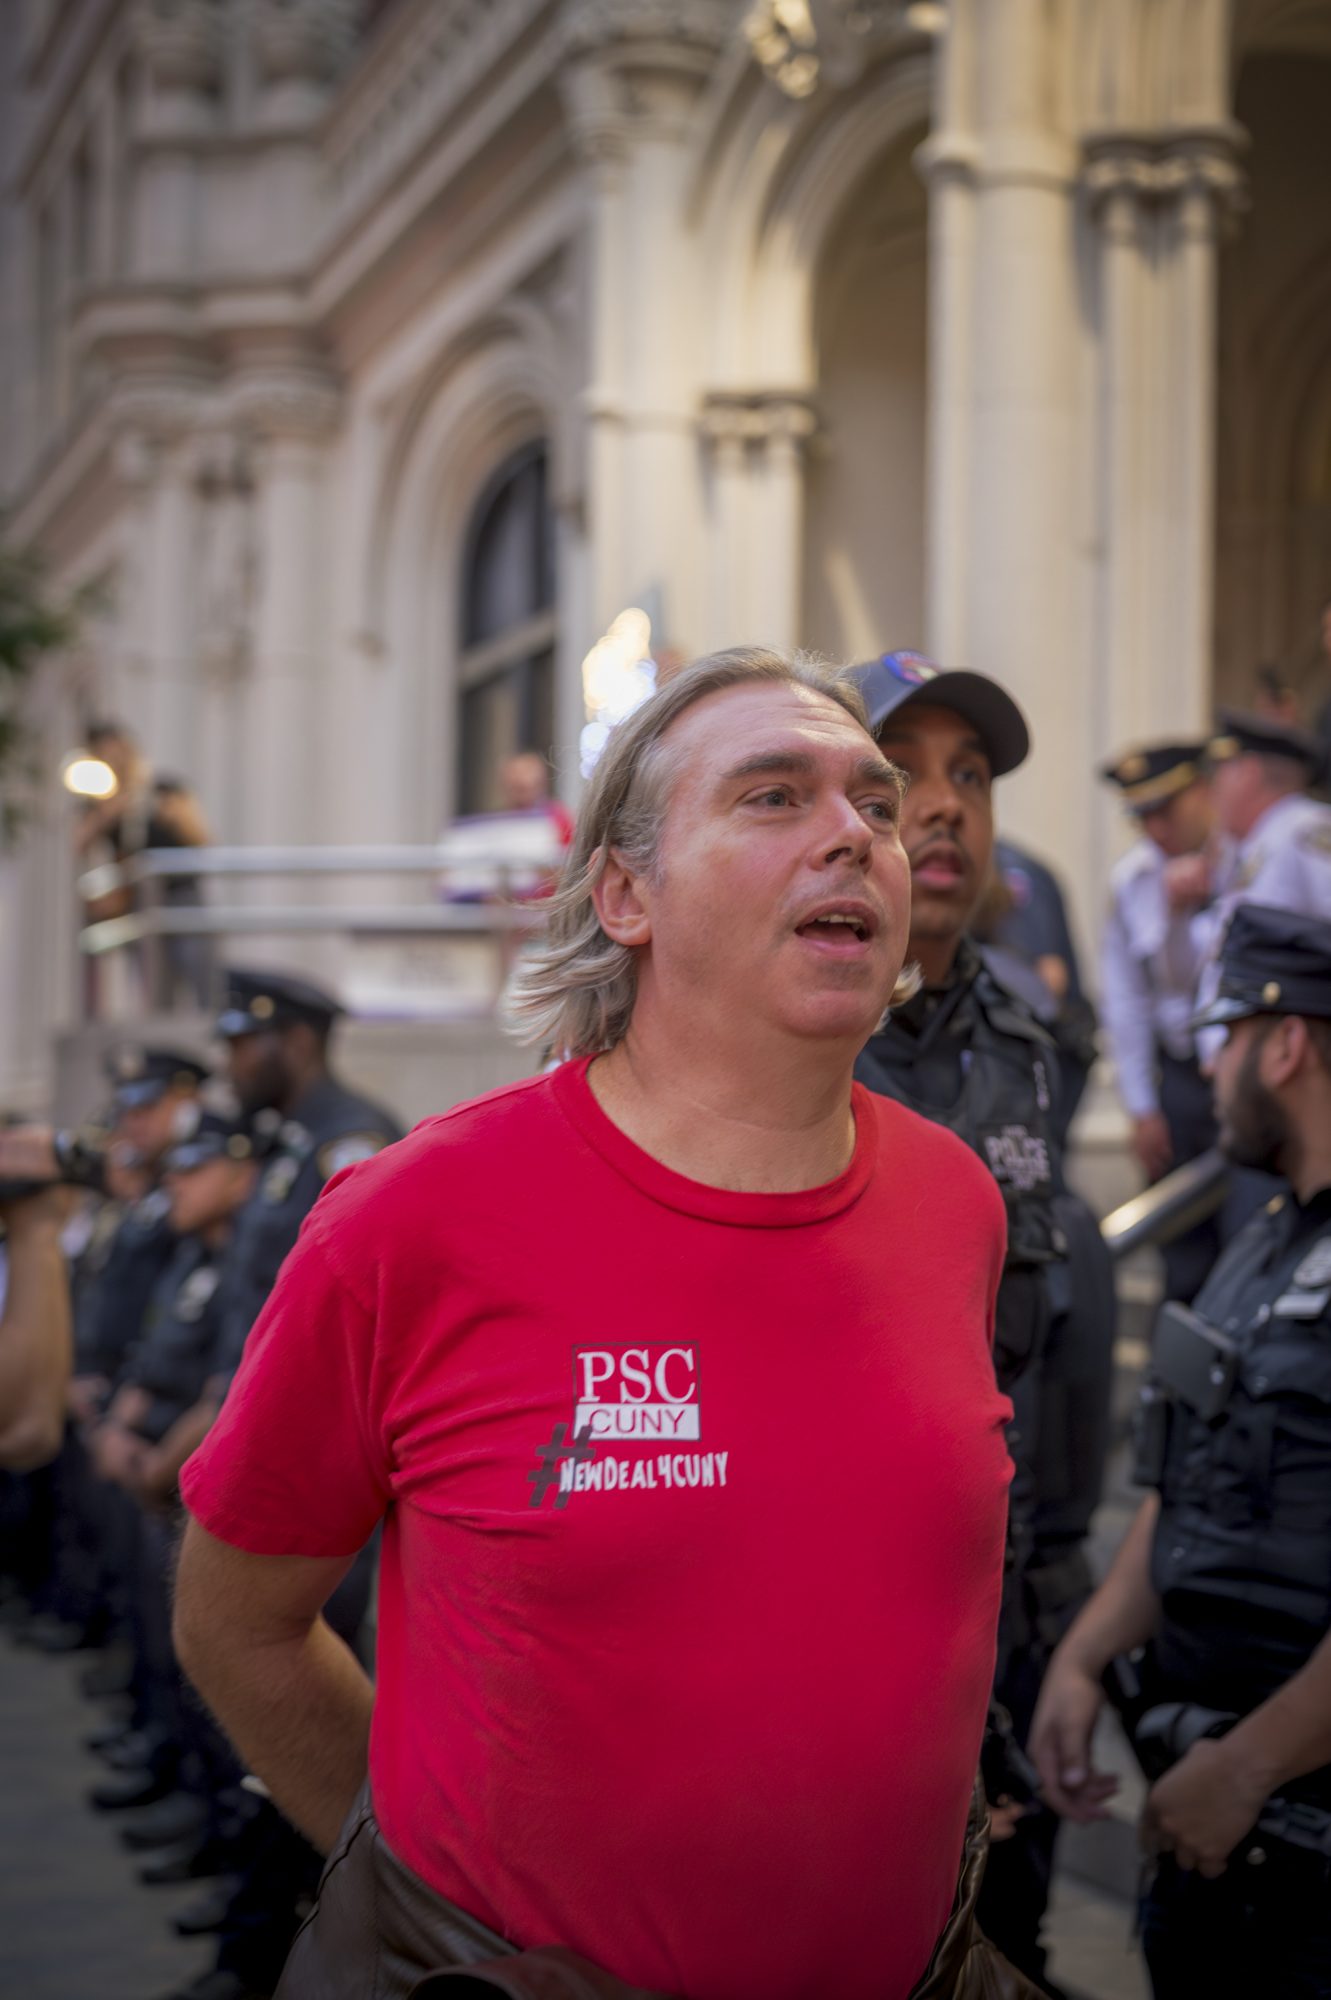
171, 1358
1004, 1111
1242, 1554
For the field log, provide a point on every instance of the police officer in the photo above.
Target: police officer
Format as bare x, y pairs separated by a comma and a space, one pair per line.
154, 1100
207, 1178
972, 1053
1279, 850
1149, 968
1225, 1576
277, 1028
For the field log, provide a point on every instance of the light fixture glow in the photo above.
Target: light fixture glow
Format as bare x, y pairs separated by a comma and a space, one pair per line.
88, 777
618, 674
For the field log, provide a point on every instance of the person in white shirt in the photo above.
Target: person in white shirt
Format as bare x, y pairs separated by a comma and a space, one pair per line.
1149, 968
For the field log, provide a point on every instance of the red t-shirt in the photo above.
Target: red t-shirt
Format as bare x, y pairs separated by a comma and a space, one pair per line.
701, 1696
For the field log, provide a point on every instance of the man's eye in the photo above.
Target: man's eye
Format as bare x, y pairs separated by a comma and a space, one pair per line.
881, 809
972, 775
775, 795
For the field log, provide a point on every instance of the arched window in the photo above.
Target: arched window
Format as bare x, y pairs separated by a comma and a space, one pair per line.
508, 628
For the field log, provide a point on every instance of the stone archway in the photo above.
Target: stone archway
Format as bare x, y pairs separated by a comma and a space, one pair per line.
864, 542
1273, 527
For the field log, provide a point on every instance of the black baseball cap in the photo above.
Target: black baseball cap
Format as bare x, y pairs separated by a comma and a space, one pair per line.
894, 679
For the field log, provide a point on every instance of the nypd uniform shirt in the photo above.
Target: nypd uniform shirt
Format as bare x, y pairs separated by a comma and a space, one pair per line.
1241, 1559
1149, 968
329, 1129
171, 1359
693, 1544
110, 1306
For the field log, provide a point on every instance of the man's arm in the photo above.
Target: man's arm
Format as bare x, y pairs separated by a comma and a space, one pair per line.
292, 1697
1122, 1614
36, 1339
1202, 1808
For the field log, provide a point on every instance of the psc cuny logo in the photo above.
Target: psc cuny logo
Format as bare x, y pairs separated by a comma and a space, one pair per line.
644, 1393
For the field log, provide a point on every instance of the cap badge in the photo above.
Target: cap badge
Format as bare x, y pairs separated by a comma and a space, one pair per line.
261, 1006
1131, 769
129, 1064
1271, 992
912, 668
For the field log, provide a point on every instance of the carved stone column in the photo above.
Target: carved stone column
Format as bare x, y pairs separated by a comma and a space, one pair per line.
287, 417
631, 78
757, 446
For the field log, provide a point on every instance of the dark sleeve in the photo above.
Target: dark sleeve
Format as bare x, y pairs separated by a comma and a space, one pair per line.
115, 1304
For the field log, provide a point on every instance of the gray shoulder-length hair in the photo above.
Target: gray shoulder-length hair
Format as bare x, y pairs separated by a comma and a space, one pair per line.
575, 990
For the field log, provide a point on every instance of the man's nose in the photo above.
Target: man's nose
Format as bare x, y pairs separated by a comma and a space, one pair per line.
935, 799
849, 835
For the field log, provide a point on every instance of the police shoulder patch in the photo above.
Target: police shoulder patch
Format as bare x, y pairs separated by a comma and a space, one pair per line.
1316, 1266
348, 1150
1316, 839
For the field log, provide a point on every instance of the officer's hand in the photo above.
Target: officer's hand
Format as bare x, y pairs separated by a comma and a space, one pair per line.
1060, 1743
1202, 1808
84, 1397
1187, 880
1151, 1144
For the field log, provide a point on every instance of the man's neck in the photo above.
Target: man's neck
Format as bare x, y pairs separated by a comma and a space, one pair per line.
302, 1083
1306, 1164
736, 1119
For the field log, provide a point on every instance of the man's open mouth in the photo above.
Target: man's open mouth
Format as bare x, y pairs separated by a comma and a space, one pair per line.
839, 926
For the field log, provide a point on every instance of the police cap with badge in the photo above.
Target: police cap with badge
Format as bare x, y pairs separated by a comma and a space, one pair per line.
1151, 776
141, 1075
259, 1001
894, 679
218, 1135
1241, 734
1271, 962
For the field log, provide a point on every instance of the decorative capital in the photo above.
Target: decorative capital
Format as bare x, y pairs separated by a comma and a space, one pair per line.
597, 26
302, 41
299, 405
155, 411
181, 43
1150, 169
764, 419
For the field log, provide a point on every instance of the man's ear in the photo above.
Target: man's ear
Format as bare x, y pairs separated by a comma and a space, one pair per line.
1288, 1049
620, 900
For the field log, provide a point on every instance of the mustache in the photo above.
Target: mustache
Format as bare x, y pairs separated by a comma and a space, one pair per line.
938, 844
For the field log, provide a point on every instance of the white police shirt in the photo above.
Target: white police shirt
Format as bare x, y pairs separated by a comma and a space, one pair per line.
1149, 968
1285, 862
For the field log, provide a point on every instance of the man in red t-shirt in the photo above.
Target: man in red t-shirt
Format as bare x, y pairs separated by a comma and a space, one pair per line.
693, 1479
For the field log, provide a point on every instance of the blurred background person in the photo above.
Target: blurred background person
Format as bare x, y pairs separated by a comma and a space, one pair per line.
1149, 968
147, 810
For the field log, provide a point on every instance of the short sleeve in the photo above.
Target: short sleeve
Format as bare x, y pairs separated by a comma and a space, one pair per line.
293, 1466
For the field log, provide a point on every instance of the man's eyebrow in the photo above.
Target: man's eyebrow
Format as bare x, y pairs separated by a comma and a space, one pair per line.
879, 771
800, 764
790, 763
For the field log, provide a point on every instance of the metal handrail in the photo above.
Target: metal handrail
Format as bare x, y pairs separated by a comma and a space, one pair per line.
152, 862
1170, 1207
374, 919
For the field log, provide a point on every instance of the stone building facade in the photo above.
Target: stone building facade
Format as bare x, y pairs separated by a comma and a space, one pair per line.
371, 357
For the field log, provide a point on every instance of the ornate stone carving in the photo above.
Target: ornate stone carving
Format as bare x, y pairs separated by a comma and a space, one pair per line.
591, 25
304, 41
1165, 167
292, 403
768, 417
181, 42
822, 41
